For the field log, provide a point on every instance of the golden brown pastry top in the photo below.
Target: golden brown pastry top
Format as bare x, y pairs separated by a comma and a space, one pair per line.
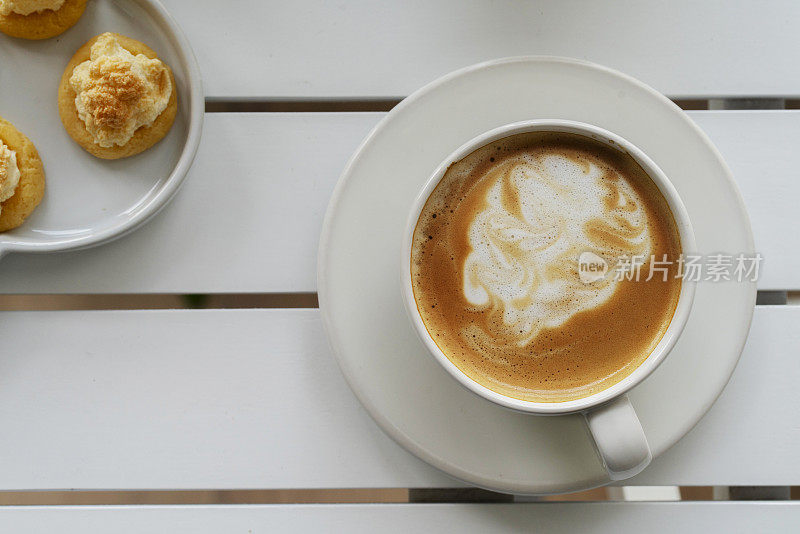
9, 172
117, 92
26, 7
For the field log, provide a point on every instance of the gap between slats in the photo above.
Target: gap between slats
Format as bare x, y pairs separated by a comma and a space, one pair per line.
328, 496
255, 105
155, 301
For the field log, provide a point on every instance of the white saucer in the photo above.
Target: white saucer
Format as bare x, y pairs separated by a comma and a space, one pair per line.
88, 201
400, 384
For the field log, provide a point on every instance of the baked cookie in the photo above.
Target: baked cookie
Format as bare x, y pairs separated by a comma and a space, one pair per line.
116, 98
21, 177
39, 19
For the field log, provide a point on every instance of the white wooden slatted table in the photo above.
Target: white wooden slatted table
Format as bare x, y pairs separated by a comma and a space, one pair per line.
229, 399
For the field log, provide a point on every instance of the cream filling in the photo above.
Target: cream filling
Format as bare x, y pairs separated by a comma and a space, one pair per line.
28, 7
117, 93
9, 173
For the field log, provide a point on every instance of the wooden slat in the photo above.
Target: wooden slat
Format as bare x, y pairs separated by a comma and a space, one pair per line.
190, 399
247, 219
759, 147
249, 216
550, 518
316, 49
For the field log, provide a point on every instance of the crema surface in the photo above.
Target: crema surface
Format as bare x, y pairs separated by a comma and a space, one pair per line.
495, 266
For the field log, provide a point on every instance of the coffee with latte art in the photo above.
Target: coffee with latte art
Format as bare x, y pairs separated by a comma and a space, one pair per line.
495, 270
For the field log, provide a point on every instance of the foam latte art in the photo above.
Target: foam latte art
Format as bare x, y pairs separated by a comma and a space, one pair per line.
494, 266
541, 213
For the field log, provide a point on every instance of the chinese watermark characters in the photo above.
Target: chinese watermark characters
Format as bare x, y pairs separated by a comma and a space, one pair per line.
691, 267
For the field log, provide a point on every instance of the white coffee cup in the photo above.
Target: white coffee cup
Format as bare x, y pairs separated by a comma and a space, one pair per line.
612, 420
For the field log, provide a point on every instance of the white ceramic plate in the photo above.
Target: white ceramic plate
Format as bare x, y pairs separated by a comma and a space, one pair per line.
399, 383
87, 200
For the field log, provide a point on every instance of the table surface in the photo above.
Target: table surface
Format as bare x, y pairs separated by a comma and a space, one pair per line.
233, 399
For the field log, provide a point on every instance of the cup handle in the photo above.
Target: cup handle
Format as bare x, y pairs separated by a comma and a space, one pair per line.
619, 438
